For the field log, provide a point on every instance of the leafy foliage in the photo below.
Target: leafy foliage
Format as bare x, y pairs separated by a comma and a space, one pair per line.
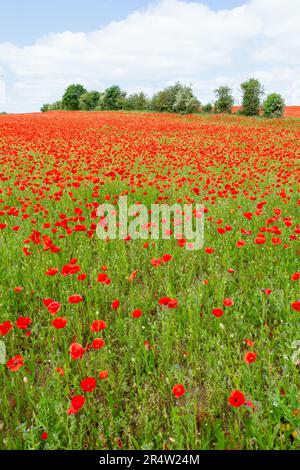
71, 97
207, 108
89, 100
224, 101
273, 106
112, 99
136, 101
176, 98
252, 93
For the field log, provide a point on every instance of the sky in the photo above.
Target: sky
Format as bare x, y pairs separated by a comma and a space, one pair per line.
146, 45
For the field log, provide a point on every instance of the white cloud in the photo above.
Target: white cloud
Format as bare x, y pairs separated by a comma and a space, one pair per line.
167, 41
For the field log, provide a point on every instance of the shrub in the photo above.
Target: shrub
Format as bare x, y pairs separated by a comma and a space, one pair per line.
252, 93
136, 101
45, 108
176, 98
207, 108
185, 101
89, 100
273, 106
224, 101
112, 99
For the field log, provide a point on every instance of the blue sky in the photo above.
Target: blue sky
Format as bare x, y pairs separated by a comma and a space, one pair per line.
24, 21
141, 44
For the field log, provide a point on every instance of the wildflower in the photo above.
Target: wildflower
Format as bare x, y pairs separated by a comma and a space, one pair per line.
98, 343
76, 351
103, 375
88, 384
228, 302
217, 312
98, 325
137, 313
77, 403
250, 357
178, 390
59, 323
15, 363
75, 299
236, 398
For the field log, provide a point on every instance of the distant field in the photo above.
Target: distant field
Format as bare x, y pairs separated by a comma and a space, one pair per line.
290, 111
140, 343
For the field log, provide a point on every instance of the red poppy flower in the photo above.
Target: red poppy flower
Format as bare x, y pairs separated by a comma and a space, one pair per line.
236, 398
59, 323
295, 276
98, 343
166, 258
168, 302
296, 305
102, 277
115, 304
82, 277
260, 240
173, 303
51, 272
76, 351
18, 289
98, 325
53, 307
103, 375
250, 357
88, 384
5, 328
77, 403
228, 302
178, 390
44, 436
249, 342
137, 313
267, 291
132, 276
181, 242
155, 262
75, 299
217, 312
70, 269
15, 363
23, 323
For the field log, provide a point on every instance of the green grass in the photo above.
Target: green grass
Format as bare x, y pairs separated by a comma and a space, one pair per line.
134, 408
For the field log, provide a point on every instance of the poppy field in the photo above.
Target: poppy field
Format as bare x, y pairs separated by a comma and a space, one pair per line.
143, 344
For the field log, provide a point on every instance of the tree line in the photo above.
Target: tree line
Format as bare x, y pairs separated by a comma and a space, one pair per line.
177, 98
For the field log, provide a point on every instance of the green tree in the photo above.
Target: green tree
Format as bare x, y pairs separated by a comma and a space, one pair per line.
164, 100
112, 99
71, 97
185, 101
175, 98
274, 106
137, 102
55, 106
224, 99
252, 93
89, 100
207, 108
45, 108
